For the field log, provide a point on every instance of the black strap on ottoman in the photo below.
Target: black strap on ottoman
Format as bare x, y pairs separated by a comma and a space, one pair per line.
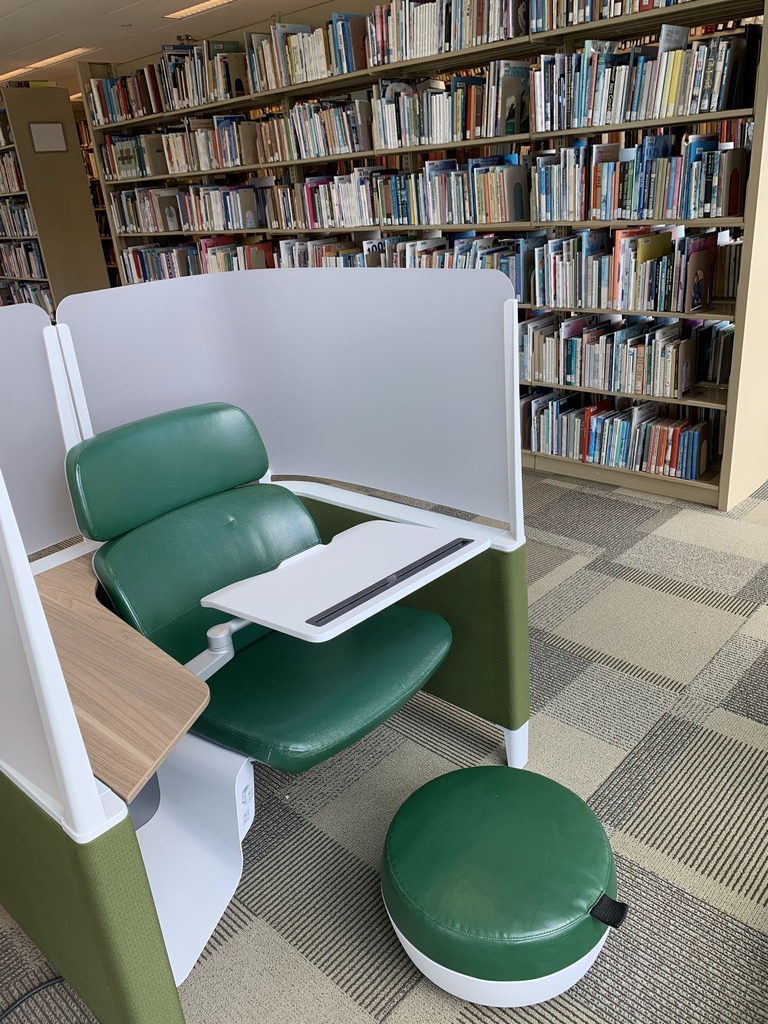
608, 911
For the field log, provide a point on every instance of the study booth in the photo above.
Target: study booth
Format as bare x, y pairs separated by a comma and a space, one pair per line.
375, 405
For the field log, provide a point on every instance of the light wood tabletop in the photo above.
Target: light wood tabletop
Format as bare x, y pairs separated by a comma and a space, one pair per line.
133, 702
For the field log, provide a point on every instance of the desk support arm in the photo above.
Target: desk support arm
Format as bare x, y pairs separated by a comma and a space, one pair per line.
220, 649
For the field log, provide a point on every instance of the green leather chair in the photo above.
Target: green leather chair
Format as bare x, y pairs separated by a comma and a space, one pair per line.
174, 499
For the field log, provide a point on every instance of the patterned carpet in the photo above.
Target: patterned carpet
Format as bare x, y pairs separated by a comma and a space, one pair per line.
649, 642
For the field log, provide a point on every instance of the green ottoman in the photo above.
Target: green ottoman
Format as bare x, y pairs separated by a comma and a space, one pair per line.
500, 884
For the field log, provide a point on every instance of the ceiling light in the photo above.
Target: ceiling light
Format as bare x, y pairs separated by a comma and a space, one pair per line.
207, 5
59, 58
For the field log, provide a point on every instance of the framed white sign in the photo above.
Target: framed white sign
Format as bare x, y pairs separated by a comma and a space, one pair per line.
48, 137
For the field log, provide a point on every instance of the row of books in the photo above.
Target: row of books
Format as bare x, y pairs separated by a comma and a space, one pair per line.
210, 256
21, 259
605, 86
312, 130
16, 218
633, 268
83, 133
727, 268
14, 292
488, 193
196, 208
10, 173
219, 255
407, 29
550, 14
463, 251
493, 191
188, 75
89, 159
662, 358
294, 54
415, 113
143, 263
612, 432
647, 181
376, 196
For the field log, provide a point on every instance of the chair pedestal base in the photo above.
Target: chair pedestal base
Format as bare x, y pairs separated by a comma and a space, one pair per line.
500, 993
192, 846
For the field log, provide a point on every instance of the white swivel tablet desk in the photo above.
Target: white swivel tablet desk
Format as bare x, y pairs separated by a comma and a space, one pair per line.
328, 589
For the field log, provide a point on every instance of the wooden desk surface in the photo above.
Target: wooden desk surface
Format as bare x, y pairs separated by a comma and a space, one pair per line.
133, 702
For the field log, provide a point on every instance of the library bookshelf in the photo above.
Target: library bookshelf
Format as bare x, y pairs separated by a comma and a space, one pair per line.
97, 197
741, 464
48, 231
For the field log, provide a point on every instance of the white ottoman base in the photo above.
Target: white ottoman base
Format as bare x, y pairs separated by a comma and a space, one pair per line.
500, 993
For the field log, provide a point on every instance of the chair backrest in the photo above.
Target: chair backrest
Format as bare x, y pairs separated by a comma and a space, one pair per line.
174, 498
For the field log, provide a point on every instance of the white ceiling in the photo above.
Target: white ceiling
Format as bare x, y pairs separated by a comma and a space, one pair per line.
31, 30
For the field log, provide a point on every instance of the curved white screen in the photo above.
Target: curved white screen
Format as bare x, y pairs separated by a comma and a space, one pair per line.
392, 379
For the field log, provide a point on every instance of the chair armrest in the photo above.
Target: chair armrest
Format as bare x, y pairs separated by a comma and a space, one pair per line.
380, 508
220, 649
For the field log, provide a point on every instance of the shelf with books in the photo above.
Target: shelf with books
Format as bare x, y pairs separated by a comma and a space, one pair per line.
387, 229
690, 222
11, 195
523, 45
9, 146
319, 87
193, 233
434, 147
719, 311
701, 396
704, 491
18, 238
420, 193
112, 183
658, 122
10, 277
646, 22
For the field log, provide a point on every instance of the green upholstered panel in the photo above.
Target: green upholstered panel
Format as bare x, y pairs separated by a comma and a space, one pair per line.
291, 704
507, 896
485, 601
89, 909
157, 574
139, 471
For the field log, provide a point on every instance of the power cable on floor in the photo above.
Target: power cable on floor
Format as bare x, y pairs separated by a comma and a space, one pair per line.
33, 992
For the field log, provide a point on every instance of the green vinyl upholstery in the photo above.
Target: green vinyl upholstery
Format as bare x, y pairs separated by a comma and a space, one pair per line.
173, 496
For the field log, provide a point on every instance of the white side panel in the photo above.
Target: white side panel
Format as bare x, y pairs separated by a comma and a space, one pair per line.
31, 444
192, 846
392, 379
41, 748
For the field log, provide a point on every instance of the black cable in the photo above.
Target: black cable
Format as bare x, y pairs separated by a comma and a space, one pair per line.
19, 1002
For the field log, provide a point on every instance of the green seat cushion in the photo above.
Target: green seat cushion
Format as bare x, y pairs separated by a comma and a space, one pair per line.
291, 704
492, 872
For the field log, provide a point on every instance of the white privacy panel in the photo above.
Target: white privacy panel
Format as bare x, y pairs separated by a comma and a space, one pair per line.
41, 748
31, 444
392, 379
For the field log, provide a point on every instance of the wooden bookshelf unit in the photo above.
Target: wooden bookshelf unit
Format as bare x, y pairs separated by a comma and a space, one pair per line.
306, 152
62, 254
